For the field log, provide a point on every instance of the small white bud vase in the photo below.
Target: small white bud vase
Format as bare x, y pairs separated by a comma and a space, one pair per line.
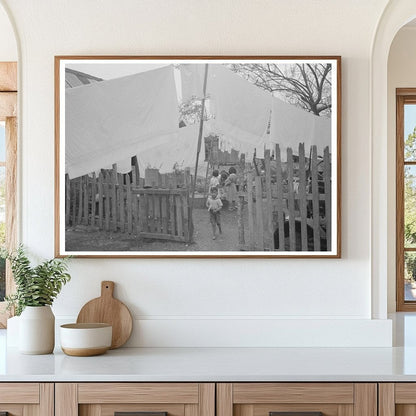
37, 330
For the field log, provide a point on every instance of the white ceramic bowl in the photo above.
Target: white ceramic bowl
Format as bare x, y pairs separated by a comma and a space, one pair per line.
83, 340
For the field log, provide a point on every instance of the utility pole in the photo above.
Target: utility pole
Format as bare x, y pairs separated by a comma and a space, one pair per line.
201, 130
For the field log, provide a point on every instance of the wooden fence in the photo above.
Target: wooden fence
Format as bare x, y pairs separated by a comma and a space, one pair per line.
164, 214
215, 156
119, 203
171, 180
283, 205
289, 207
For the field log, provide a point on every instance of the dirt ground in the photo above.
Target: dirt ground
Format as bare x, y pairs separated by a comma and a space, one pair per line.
84, 239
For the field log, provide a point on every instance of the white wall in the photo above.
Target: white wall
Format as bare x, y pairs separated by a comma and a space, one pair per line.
401, 74
8, 47
203, 302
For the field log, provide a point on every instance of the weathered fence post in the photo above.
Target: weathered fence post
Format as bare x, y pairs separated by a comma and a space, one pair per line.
259, 215
280, 212
157, 217
67, 199
93, 196
165, 216
114, 197
315, 201
185, 207
150, 213
135, 171
291, 200
129, 202
327, 184
142, 214
100, 199
120, 202
178, 204
302, 198
250, 206
79, 219
172, 214
136, 211
241, 241
107, 188
85, 206
269, 244
74, 201
188, 178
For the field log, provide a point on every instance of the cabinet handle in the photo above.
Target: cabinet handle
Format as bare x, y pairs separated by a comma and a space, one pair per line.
138, 414
295, 413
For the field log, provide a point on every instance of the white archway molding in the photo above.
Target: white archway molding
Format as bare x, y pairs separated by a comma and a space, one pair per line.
396, 15
5, 8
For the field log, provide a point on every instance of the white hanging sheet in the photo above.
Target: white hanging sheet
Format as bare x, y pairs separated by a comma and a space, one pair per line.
192, 80
241, 109
112, 120
179, 151
291, 125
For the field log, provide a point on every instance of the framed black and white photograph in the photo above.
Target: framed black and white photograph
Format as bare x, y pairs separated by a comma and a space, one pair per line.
197, 156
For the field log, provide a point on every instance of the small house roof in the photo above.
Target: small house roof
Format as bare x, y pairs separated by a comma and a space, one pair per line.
75, 78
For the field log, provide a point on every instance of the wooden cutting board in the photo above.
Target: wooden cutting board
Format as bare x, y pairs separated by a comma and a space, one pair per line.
108, 310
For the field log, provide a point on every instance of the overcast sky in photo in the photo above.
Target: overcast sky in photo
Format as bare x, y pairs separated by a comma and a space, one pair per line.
110, 70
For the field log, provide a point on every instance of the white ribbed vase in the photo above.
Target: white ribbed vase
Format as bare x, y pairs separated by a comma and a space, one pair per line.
37, 330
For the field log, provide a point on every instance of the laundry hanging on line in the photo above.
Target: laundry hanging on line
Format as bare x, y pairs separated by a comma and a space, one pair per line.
241, 110
167, 153
291, 125
112, 120
192, 80
178, 153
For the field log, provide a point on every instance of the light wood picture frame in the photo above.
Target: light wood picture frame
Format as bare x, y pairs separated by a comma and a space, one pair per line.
198, 157
405, 169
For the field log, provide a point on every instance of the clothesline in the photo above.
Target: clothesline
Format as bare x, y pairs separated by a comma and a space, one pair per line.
111, 121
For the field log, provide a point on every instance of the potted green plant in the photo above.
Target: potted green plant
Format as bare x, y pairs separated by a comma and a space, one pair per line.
36, 289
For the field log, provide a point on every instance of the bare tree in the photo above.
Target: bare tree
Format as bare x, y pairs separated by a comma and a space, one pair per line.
307, 85
190, 112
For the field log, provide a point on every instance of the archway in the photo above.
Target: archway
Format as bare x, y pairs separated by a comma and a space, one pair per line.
396, 15
8, 149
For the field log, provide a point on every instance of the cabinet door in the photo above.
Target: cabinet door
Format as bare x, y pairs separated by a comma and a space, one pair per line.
142, 399
297, 399
26, 399
397, 399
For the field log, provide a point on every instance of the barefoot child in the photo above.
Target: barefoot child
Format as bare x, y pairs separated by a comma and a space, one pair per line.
214, 206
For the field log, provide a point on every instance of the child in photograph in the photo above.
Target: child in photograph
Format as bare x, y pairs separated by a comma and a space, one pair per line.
214, 205
214, 181
231, 184
221, 189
